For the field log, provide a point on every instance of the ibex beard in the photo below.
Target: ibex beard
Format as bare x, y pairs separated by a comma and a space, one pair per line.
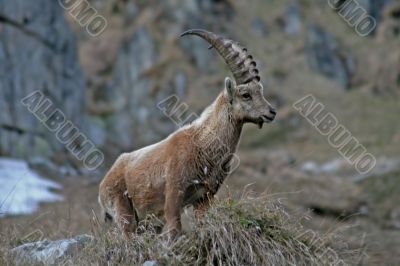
181, 170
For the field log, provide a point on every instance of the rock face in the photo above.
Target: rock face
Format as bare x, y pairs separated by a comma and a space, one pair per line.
326, 57
146, 71
37, 52
292, 20
49, 252
136, 120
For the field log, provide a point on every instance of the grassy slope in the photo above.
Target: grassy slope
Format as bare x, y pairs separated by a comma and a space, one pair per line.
249, 231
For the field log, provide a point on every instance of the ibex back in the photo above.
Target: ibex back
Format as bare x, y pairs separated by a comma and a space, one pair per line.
188, 167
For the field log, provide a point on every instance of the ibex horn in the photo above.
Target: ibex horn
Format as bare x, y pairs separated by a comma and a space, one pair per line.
241, 64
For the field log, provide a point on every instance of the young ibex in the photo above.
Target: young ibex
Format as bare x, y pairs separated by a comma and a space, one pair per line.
188, 167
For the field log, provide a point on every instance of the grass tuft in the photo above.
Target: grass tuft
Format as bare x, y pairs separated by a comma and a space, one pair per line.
249, 231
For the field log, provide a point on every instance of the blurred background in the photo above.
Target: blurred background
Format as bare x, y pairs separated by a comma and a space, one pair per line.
109, 85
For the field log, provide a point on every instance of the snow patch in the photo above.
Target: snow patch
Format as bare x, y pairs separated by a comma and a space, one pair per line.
21, 189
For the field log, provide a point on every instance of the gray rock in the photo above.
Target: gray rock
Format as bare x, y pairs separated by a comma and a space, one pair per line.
372, 8
131, 11
48, 168
180, 10
49, 252
384, 165
180, 84
292, 20
131, 89
206, 14
259, 27
326, 56
151, 263
37, 52
136, 120
96, 132
395, 218
197, 49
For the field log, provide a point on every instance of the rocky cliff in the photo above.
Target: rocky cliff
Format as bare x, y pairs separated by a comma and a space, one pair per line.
38, 51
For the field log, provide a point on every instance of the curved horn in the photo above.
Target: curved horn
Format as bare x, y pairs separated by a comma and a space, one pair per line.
241, 64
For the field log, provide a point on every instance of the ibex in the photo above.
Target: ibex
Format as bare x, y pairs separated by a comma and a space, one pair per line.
188, 167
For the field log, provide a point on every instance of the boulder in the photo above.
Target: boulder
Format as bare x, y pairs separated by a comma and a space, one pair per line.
151, 263
49, 252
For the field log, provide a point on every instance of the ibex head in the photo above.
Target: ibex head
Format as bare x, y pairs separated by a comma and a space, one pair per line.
245, 93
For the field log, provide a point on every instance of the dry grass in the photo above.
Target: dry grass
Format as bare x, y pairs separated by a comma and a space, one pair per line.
249, 231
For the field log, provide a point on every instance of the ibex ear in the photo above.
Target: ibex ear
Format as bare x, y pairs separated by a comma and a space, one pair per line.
229, 88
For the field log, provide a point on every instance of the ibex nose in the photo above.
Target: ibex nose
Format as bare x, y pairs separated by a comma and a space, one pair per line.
272, 115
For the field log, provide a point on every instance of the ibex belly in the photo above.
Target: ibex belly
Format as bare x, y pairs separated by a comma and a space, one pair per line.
148, 200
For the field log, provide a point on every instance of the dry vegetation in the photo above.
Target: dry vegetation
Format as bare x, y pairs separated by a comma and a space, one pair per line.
249, 231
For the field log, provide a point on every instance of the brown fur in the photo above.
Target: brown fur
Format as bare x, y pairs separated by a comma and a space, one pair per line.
186, 168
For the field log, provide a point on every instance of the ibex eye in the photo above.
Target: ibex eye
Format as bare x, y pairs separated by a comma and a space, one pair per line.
246, 96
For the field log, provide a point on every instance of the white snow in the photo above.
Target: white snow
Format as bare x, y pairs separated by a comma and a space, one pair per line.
21, 189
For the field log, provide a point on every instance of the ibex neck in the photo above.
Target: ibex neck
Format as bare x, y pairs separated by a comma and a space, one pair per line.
217, 124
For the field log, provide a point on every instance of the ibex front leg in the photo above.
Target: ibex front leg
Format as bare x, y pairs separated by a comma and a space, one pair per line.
172, 209
125, 215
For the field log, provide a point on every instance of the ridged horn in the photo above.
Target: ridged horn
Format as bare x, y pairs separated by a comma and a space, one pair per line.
241, 64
